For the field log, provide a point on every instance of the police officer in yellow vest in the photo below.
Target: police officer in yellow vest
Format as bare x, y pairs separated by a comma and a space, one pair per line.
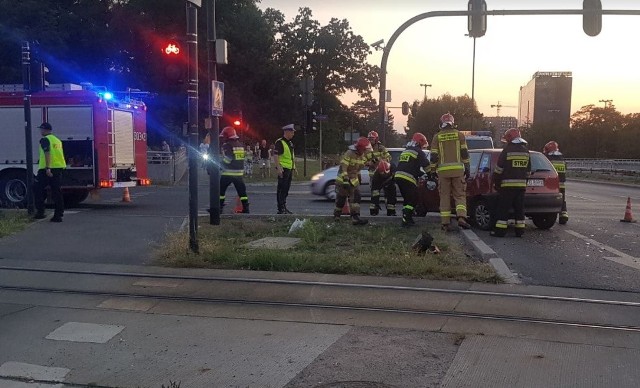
284, 159
450, 155
50, 168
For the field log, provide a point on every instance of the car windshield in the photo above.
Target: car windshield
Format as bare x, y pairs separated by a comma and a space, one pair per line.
479, 143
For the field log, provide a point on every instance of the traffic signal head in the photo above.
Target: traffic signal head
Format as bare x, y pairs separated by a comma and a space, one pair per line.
477, 22
174, 63
405, 108
237, 122
592, 17
414, 109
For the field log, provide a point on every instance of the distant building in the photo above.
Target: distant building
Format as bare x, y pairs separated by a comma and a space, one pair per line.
500, 124
546, 99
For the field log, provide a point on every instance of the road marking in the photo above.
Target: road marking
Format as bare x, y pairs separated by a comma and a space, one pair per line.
622, 258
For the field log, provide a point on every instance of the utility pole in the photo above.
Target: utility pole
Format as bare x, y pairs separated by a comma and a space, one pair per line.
192, 102
26, 80
425, 90
607, 103
214, 130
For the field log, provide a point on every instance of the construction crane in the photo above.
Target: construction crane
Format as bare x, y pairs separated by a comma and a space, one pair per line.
499, 105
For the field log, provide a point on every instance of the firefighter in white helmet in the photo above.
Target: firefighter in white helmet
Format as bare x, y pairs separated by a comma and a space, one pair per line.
380, 176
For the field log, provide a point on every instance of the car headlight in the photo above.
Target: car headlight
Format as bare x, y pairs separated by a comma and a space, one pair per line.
317, 177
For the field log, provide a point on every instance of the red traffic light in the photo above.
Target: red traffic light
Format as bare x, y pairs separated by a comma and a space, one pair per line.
171, 49
237, 122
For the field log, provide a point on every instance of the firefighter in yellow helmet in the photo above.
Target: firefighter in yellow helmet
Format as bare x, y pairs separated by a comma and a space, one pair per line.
510, 180
380, 176
552, 152
348, 180
450, 156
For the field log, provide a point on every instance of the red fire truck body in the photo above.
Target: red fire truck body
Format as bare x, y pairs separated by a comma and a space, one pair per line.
104, 141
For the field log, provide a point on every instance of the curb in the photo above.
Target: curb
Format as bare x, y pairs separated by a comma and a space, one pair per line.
487, 253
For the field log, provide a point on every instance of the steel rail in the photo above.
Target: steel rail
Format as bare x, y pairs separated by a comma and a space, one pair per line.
417, 312
330, 284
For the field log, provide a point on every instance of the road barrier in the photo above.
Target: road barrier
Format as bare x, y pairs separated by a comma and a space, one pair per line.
616, 166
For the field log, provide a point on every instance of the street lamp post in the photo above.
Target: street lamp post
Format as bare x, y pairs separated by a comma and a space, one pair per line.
425, 90
473, 78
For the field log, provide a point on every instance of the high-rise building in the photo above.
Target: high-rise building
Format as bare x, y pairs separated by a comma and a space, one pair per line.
500, 124
546, 99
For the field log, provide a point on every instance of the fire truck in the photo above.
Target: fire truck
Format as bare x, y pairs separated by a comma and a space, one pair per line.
104, 140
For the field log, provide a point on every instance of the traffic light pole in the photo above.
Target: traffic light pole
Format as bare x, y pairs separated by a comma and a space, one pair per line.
192, 99
426, 15
214, 144
26, 79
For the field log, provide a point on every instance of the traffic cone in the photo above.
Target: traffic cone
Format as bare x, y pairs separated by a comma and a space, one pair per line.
238, 208
345, 209
628, 217
125, 195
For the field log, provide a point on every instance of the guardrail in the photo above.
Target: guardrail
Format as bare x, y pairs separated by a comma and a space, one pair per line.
165, 166
616, 166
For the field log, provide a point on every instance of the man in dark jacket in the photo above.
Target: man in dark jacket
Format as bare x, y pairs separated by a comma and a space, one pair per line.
232, 162
510, 180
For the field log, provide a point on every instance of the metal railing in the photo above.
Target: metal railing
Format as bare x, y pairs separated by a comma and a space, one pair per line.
165, 166
616, 166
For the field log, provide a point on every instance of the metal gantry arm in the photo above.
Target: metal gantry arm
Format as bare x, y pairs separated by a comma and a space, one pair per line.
426, 15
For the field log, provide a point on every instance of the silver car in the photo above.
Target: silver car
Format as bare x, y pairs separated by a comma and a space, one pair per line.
324, 183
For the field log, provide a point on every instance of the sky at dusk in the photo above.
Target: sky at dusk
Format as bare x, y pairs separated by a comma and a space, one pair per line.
436, 51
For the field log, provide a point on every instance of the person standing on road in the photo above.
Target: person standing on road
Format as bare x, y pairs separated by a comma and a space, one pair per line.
510, 180
232, 163
51, 165
450, 157
411, 163
348, 180
552, 152
265, 163
380, 177
284, 159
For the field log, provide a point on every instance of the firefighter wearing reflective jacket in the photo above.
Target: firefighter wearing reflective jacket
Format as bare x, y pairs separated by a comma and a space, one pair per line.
450, 157
410, 164
510, 180
380, 176
552, 152
348, 180
232, 163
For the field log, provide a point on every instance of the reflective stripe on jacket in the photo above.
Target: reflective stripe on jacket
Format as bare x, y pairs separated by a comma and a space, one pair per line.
232, 158
449, 153
350, 166
379, 153
513, 166
410, 164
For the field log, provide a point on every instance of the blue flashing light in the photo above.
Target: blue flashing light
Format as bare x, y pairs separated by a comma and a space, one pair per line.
107, 96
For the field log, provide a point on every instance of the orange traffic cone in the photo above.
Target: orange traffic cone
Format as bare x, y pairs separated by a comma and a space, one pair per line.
125, 195
628, 217
238, 208
345, 209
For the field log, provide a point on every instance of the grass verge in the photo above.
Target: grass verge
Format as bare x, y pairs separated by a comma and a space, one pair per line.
326, 247
13, 221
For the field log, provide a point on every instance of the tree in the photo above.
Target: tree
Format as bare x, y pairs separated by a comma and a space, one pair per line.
427, 119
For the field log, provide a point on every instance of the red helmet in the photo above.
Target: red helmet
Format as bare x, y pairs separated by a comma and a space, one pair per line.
420, 139
511, 135
384, 167
373, 136
228, 133
550, 147
446, 120
362, 144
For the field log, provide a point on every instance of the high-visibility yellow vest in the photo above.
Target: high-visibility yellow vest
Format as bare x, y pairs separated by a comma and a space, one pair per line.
55, 152
286, 159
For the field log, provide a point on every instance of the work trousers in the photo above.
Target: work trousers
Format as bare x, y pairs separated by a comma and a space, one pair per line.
40, 191
452, 187
386, 183
238, 183
507, 199
409, 192
351, 194
284, 184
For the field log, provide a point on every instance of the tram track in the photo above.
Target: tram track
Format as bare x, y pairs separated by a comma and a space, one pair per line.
342, 297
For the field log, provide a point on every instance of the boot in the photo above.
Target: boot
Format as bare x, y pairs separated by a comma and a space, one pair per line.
356, 220
391, 212
374, 211
336, 215
462, 222
407, 217
245, 207
564, 218
446, 228
286, 211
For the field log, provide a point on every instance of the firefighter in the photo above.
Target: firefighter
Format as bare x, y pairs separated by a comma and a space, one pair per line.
410, 163
450, 157
51, 165
552, 152
348, 180
380, 176
232, 156
510, 180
